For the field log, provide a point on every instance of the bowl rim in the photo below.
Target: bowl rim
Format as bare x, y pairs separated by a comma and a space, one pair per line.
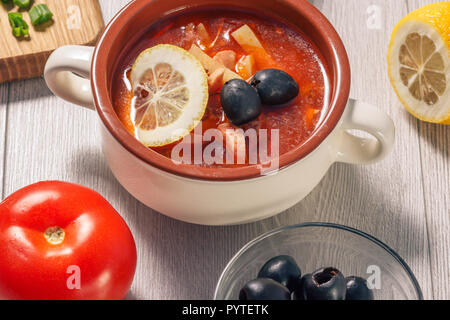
341, 85
363, 234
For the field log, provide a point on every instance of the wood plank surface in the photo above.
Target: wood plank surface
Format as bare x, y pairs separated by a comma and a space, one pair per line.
3, 107
385, 199
74, 22
434, 142
403, 201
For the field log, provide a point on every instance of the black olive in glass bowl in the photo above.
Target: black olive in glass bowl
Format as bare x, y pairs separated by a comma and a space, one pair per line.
282, 269
275, 87
240, 102
357, 289
323, 284
298, 291
264, 289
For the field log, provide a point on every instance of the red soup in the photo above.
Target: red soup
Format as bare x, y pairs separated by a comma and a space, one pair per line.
284, 48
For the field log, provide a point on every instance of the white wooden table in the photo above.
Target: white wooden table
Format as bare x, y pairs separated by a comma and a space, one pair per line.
404, 201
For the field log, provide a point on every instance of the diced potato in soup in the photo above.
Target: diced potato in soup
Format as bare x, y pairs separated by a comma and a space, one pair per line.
215, 80
204, 37
246, 67
248, 40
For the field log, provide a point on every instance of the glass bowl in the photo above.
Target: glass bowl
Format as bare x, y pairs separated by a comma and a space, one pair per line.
316, 245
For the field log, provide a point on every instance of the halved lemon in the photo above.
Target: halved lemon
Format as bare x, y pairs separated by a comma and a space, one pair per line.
419, 62
170, 94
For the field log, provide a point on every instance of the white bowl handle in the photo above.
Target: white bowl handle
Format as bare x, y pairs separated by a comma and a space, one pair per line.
367, 118
67, 74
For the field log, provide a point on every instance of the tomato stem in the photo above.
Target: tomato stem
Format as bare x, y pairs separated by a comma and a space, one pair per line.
55, 235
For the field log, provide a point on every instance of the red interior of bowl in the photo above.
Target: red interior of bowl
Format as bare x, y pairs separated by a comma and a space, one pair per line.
136, 17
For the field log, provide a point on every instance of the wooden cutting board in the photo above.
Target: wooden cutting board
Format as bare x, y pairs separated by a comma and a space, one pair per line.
74, 22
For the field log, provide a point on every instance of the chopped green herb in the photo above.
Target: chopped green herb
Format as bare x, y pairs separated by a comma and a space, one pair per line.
22, 4
40, 14
19, 26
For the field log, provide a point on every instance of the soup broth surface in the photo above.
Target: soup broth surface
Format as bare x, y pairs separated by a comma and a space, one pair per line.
290, 50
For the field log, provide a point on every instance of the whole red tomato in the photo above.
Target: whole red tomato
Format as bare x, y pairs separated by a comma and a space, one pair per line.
60, 241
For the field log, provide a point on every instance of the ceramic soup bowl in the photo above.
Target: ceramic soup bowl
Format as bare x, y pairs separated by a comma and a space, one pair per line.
220, 196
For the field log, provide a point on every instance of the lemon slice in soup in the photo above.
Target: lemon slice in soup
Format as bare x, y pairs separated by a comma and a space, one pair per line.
170, 94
